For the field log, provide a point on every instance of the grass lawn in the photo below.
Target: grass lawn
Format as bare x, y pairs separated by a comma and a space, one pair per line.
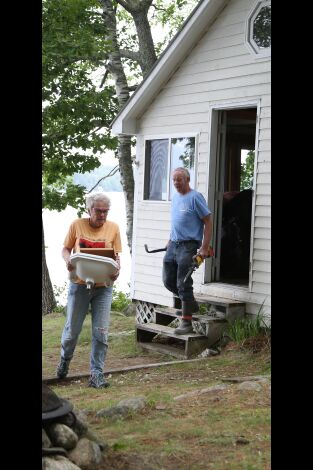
229, 429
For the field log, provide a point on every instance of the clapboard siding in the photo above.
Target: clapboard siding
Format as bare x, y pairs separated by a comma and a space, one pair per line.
219, 84
262, 233
263, 189
264, 165
220, 74
262, 255
262, 200
261, 266
263, 211
219, 70
171, 97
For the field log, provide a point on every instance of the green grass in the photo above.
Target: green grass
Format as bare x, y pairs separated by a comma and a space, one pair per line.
195, 434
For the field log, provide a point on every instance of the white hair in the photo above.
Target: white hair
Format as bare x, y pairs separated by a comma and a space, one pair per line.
94, 197
183, 170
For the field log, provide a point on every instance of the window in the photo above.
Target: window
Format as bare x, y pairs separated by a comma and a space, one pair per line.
259, 28
162, 156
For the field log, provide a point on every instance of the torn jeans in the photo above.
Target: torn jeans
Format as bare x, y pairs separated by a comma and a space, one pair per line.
79, 298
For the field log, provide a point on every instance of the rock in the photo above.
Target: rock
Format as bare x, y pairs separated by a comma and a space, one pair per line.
58, 463
62, 436
92, 437
195, 393
250, 386
123, 408
86, 454
208, 352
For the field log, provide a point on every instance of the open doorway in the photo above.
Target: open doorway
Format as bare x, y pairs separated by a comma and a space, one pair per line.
234, 173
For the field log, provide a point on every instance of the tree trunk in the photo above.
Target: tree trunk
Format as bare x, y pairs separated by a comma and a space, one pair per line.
115, 67
48, 299
146, 46
139, 12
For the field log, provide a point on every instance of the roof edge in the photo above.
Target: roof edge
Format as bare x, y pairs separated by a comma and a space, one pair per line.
194, 27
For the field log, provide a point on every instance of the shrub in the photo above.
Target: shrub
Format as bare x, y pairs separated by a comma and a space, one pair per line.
119, 300
60, 294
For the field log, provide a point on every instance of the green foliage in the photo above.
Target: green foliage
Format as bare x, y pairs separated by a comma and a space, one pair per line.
244, 328
119, 300
75, 110
247, 172
59, 293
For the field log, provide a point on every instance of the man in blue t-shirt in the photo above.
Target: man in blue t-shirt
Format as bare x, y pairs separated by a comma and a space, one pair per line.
191, 231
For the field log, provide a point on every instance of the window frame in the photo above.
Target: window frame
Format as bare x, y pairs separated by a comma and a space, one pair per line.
168, 136
249, 41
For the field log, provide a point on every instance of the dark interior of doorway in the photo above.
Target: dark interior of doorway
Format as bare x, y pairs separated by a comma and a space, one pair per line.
237, 202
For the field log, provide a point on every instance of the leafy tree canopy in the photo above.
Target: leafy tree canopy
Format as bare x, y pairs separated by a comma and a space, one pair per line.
74, 109
247, 170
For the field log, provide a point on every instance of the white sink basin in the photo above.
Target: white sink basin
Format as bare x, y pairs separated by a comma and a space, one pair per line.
93, 269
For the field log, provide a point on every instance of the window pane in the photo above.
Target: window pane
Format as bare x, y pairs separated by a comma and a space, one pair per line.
156, 170
262, 28
183, 155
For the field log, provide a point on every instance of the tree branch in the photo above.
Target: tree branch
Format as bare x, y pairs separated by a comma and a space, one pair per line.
133, 55
106, 73
124, 5
133, 6
111, 173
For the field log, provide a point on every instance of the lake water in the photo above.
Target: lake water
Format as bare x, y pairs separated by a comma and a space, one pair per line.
56, 225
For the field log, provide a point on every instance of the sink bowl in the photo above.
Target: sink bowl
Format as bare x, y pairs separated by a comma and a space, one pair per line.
93, 269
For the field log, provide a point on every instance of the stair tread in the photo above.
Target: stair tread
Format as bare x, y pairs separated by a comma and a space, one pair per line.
166, 330
170, 311
218, 300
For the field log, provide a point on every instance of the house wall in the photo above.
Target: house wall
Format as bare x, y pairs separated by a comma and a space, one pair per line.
220, 70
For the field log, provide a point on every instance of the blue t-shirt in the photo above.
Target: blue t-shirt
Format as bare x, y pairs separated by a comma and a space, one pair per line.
186, 215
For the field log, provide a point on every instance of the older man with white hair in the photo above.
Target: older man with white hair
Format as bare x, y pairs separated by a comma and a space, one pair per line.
191, 231
92, 231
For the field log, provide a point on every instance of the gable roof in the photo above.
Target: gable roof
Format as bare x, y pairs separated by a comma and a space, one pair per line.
194, 27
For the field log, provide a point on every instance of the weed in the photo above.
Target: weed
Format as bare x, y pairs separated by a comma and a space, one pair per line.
242, 330
119, 300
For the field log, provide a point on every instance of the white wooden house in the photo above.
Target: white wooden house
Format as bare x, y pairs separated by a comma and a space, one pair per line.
206, 99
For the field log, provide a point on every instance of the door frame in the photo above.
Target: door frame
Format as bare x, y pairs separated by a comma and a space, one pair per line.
213, 173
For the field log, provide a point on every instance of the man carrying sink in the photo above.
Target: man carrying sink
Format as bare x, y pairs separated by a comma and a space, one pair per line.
92, 231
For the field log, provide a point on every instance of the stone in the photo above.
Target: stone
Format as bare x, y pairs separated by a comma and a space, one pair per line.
123, 408
250, 386
86, 455
58, 463
62, 436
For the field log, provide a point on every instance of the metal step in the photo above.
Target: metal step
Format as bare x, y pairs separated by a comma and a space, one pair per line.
150, 336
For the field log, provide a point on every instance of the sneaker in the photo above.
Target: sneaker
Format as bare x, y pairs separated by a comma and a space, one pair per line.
62, 369
98, 381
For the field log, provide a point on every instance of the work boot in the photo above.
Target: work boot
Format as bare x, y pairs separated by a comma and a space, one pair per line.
184, 328
189, 307
62, 369
97, 380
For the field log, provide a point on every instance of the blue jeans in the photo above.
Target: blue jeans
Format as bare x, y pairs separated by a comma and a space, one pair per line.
79, 298
176, 263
